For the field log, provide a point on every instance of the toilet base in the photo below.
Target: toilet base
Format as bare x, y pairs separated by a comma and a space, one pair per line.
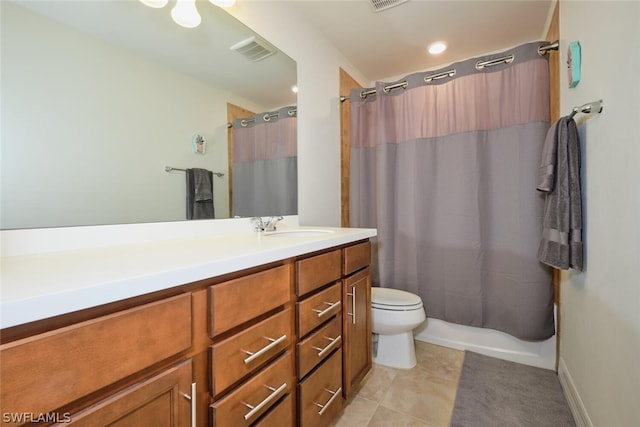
396, 351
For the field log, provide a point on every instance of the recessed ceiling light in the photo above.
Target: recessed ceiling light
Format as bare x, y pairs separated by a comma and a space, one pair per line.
437, 47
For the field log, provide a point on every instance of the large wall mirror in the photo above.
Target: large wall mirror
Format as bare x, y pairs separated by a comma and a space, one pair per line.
100, 97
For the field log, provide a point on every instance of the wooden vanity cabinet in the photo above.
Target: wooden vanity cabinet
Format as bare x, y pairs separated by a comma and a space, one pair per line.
251, 356
319, 328
357, 351
333, 324
273, 346
106, 362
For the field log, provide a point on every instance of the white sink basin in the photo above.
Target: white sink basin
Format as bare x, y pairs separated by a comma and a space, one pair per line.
299, 233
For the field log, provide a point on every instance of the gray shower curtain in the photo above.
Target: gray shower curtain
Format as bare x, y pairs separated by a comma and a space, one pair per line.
265, 166
446, 171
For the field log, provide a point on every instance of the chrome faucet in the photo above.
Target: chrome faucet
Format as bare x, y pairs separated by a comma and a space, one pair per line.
268, 224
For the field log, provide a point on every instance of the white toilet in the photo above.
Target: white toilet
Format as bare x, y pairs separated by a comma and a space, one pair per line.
394, 316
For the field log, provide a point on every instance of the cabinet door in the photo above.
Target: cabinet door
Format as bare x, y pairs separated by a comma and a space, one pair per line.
162, 400
356, 328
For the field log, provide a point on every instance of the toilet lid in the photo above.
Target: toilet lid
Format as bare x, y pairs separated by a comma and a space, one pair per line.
394, 298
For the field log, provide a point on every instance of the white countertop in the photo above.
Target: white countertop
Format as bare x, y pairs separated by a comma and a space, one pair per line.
41, 285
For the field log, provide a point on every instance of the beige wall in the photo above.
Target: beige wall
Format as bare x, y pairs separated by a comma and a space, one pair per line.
600, 310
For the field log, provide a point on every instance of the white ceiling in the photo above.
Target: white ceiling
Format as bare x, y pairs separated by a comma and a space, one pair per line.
201, 52
393, 42
382, 45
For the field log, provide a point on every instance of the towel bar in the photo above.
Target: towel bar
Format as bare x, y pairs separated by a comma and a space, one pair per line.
169, 169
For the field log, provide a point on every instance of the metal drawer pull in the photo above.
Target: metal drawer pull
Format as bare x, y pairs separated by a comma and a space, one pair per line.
263, 350
273, 396
353, 305
192, 399
326, 405
334, 342
332, 305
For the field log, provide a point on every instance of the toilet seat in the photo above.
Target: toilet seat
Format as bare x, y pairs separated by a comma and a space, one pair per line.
394, 300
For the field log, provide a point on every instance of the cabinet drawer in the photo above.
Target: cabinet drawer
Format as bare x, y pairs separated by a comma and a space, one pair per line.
46, 371
317, 309
356, 257
262, 392
319, 345
280, 416
231, 359
320, 394
237, 301
317, 271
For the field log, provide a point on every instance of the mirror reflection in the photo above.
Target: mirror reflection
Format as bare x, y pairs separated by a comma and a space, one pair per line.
265, 166
99, 97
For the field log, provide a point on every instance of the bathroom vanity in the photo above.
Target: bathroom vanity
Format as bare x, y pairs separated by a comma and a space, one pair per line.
224, 330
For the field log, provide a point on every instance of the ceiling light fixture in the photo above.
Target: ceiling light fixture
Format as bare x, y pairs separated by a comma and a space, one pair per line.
185, 13
156, 4
223, 3
437, 47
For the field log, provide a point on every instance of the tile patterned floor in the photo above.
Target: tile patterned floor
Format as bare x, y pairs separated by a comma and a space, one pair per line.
419, 397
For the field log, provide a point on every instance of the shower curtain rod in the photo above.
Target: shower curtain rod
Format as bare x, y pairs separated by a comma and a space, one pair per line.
266, 118
542, 50
403, 84
169, 169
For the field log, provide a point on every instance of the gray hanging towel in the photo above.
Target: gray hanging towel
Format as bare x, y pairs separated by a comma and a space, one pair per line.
559, 178
199, 194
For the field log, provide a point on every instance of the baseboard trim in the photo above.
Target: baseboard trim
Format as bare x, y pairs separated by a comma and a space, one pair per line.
576, 405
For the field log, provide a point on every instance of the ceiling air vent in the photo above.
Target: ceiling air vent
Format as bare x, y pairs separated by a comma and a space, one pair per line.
380, 5
254, 49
